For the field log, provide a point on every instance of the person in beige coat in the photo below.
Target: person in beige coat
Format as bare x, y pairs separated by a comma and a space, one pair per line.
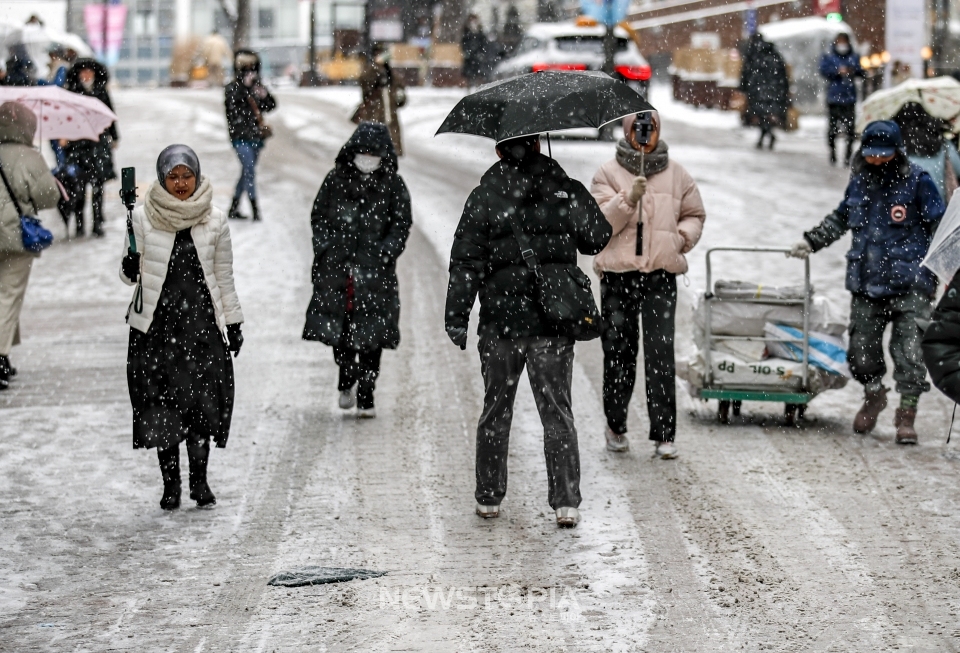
382, 95
657, 216
36, 190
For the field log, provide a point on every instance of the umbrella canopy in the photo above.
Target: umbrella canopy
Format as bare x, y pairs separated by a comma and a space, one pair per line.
543, 102
38, 40
939, 96
943, 257
60, 113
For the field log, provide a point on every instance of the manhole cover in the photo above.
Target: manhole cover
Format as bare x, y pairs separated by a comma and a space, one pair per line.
320, 575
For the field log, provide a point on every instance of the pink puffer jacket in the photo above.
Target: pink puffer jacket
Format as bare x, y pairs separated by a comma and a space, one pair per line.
673, 218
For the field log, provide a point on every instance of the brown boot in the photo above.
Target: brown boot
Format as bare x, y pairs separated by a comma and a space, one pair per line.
873, 404
903, 420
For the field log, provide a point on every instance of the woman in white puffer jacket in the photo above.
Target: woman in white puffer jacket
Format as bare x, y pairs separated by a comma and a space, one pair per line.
184, 320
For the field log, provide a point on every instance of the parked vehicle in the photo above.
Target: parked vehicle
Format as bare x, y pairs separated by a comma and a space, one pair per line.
567, 46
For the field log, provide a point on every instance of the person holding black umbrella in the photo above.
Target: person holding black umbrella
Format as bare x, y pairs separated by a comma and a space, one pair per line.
184, 319
557, 218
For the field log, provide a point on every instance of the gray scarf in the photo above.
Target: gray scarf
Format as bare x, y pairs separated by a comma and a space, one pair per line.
652, 163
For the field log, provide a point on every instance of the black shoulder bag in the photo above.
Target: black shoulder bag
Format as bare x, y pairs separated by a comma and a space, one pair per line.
563, 291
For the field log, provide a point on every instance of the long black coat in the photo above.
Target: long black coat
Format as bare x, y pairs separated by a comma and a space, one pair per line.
559, 216
241, 120
360, 227
476, 54
764, 80
93, 158
941, 342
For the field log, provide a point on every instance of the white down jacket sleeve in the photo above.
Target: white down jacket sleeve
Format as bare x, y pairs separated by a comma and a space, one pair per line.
223, 270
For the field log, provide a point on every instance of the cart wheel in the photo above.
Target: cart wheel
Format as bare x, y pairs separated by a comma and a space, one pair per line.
736, 408
724, 412
790, 414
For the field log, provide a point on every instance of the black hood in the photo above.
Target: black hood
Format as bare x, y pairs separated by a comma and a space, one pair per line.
534, 178
100, 77
369, 138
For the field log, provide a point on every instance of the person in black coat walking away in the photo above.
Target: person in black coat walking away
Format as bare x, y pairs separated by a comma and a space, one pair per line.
476, 52
184, 319
559, 218
88, 162
941, 342
764, 80
361, 219
246, 100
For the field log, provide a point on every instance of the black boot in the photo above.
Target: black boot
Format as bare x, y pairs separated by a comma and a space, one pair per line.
234, 213
849, 154
199, 452
170, 468
5, 372
772, 139
256, 210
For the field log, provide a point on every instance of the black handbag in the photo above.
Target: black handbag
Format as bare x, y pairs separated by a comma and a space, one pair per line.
563, 292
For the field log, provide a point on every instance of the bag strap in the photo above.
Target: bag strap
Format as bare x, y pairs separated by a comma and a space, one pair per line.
16, 204
256, 109
526, 251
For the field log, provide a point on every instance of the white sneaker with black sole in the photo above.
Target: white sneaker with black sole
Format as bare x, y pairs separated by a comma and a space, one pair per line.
348, 399
366, 413
567, 517
488, 512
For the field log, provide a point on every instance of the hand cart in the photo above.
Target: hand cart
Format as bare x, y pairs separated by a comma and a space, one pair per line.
731, 397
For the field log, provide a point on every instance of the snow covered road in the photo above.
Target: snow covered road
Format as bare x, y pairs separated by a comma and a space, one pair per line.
758, 538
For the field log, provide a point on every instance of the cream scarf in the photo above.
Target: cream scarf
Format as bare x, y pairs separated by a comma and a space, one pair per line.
167, 213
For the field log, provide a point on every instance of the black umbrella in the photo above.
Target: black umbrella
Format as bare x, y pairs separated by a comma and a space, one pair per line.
543, 102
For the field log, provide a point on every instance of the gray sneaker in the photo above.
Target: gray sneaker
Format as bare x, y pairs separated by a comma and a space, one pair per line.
617, 441
347, 399
567, 517
666, 450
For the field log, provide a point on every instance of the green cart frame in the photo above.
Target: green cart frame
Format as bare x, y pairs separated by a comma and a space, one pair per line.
731, 397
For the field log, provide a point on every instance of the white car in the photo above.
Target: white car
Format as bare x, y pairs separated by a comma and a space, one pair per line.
568, 46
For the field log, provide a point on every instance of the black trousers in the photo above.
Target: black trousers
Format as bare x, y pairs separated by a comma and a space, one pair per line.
626, 298
549, 364
843, 118
361, 368
76, 188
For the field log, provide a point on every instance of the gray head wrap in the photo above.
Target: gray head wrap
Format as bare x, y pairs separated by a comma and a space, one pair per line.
177, 155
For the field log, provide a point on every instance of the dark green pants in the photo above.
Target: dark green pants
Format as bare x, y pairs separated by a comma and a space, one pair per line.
868, 320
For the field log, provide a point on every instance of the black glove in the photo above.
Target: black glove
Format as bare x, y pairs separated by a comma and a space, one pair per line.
458, 335
131, 265
235, 338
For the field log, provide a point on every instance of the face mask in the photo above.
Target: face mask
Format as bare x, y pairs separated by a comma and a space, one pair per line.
366, 163
843, 49
87, 84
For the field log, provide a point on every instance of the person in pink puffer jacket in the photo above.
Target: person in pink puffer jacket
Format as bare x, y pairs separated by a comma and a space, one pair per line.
638, 278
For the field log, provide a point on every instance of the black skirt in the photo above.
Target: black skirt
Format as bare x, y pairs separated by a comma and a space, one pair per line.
179, 373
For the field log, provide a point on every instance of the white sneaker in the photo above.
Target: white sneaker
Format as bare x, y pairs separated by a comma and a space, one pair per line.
366, 413
488, 512
567, 517
347, 399
666, 450
617, 441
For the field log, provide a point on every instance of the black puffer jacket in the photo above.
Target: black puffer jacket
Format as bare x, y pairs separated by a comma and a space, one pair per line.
241, 120
93, 158
941, 342
557, 213
360, 228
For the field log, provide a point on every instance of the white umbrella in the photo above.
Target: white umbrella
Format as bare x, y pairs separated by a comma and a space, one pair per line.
943, 257
939, 96
60, 113
38, 40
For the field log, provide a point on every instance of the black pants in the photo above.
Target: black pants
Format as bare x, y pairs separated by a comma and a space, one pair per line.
549, 364
842, 121
361, 368
653, 298
76, 188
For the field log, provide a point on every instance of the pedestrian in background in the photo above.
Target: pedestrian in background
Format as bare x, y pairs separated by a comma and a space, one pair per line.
88, 163
657, 216
382, 95
476, 52
361, 219
35, 189
215, 52
891, 207
59, 67
923, 139
184, 319
246, 100
764, 80
559, 218
941, 342
841, 67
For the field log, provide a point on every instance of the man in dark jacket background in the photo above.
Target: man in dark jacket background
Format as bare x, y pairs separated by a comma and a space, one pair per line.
246, 100
559, 217
891, 207
841, 66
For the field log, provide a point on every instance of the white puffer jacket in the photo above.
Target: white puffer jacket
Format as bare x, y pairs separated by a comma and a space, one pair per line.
215, 251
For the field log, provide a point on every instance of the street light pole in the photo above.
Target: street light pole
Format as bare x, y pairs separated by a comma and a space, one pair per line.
309, 77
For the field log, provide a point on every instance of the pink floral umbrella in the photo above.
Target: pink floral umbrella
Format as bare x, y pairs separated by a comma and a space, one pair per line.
939, 96
60, 113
